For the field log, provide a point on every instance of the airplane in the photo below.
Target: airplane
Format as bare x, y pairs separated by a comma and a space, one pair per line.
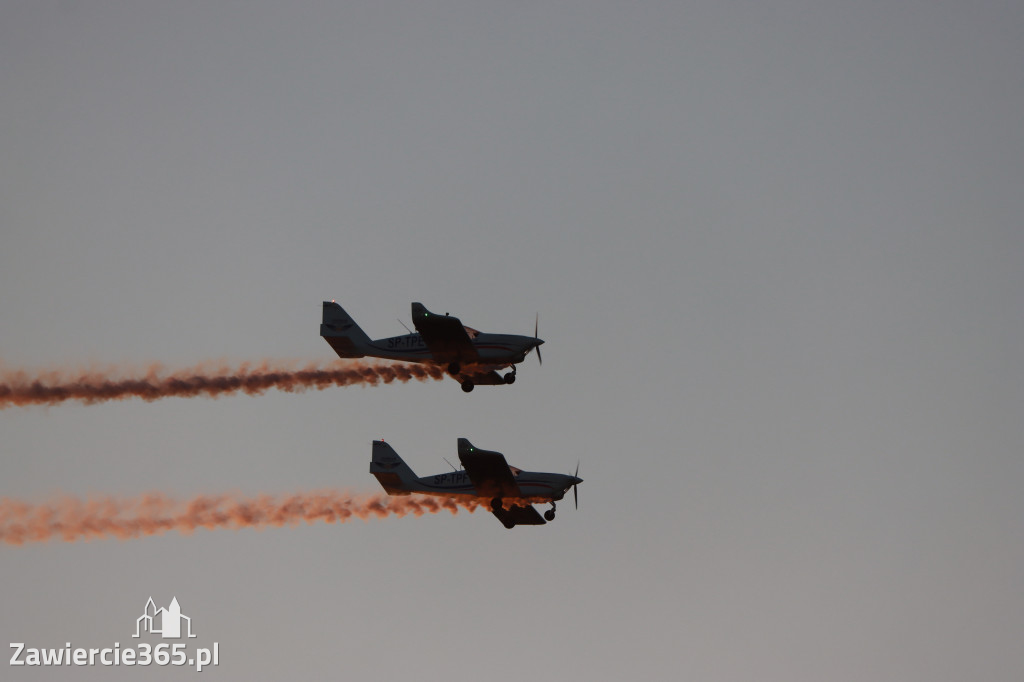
485, 474
471, 357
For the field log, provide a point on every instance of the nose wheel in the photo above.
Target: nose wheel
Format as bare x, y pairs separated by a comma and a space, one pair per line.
549, 515
510, 378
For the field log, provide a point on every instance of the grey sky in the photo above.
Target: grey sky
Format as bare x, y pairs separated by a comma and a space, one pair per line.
775, 248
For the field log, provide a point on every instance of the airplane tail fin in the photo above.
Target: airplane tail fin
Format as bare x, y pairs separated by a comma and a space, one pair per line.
342, 332
390, 469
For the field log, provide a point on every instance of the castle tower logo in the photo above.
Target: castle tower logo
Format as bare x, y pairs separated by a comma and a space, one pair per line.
163, 622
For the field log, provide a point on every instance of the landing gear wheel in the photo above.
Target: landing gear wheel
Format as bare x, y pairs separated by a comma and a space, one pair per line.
467, 385
454, 368
509, 524
496, 504
510, 378
549, 515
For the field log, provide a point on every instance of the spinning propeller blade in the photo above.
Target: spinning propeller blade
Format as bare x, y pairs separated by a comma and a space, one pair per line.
536, 323
575, 495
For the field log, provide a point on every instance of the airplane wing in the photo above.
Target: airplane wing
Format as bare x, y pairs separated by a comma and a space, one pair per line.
488, 471
526, 515
444, 335
483, 377
493, 477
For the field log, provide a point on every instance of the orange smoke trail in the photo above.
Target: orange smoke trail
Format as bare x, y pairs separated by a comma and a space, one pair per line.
51, 387
70, 519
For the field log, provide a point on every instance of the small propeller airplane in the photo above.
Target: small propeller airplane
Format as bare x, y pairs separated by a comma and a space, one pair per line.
485, 474
471, 357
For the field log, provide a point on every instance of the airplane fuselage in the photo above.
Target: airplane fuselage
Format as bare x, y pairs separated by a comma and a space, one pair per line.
456, 483
469, 356
511, 491
499, 350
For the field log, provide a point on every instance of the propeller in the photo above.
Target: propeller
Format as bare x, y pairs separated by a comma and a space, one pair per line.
575, 495
536, 323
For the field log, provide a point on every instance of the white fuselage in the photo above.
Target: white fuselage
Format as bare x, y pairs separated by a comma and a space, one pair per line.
500, 350
456, 483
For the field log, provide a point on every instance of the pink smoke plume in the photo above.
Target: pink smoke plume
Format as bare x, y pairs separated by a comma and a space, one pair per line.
70, 519
52, 387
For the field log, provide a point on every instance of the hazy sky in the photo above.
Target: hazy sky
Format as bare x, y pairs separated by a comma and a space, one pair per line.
776, 249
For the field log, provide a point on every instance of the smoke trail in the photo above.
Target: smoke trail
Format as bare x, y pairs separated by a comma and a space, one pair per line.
51, 387
70, 519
